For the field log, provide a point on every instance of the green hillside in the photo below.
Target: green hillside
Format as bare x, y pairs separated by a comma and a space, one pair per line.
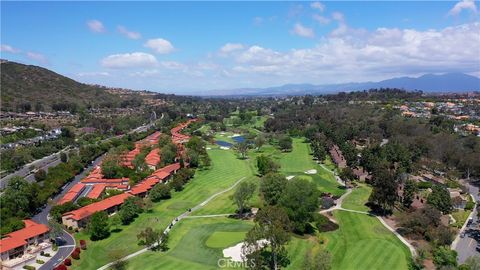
26, 87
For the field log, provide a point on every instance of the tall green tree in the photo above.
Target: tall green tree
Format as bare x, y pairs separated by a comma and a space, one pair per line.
266, 165
285, 143
384, 193
130, 209
440, 199
271, 224
272, 186
242, 194
409, 190
300, 199
99, 227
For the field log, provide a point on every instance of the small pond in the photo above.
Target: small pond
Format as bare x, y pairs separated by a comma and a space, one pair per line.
238, 139
224, 143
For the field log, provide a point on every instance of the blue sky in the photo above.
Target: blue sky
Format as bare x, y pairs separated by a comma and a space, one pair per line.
190, 47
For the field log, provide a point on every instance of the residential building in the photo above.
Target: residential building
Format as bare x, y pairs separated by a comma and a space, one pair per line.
337, 156
21, 247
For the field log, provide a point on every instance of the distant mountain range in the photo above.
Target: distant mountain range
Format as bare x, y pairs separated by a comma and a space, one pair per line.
449, 82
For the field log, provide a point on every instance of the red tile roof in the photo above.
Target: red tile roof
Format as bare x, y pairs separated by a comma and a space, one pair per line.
72, 194
153, 158
170, 168
19, 238
90, 209
96, 191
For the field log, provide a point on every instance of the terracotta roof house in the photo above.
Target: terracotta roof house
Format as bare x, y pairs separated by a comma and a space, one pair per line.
153, 158
96, 191
337, 156
72, 194
79, 218
20, 247
361, 174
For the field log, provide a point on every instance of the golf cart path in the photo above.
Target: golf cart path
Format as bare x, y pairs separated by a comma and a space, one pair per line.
338, 206
176, 220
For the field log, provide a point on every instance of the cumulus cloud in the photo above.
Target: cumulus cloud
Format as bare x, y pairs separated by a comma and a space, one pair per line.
303, 31
160, 45
321, 19
38, 57
342, 27
96, 26
8, 48
230, 47
318, 6
376, 54
129, 60
127, 33
464, 4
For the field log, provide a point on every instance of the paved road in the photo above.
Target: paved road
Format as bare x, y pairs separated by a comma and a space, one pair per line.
43, 163
466, 246
68, 246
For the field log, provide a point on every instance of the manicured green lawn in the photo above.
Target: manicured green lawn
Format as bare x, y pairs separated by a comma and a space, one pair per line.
220, 239
226, 169
362, 242
195, 244
357, 199
460, 216
299, 160
223, 204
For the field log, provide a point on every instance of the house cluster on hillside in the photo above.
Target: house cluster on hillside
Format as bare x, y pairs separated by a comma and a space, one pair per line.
79, 218
457, 109
459, 197
48, 136
338, 158
22, 247
151, 140
36, 115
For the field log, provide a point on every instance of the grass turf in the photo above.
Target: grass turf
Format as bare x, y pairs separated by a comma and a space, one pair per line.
362, 242
299, 160
357, 199
195, 244
226, 169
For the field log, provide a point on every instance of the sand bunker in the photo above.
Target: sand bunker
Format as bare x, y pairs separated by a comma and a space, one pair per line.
290, 177
235, 252
312, 171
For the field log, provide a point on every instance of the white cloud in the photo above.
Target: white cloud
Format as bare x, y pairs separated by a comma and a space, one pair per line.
93, 74
129, 60
379, 54
300, 30
127, 33
96, 26
172, 65
321, 19
342, 25
317, 5
160, 45
8, 48
230, 47
38, 57
338, 16
463, 4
